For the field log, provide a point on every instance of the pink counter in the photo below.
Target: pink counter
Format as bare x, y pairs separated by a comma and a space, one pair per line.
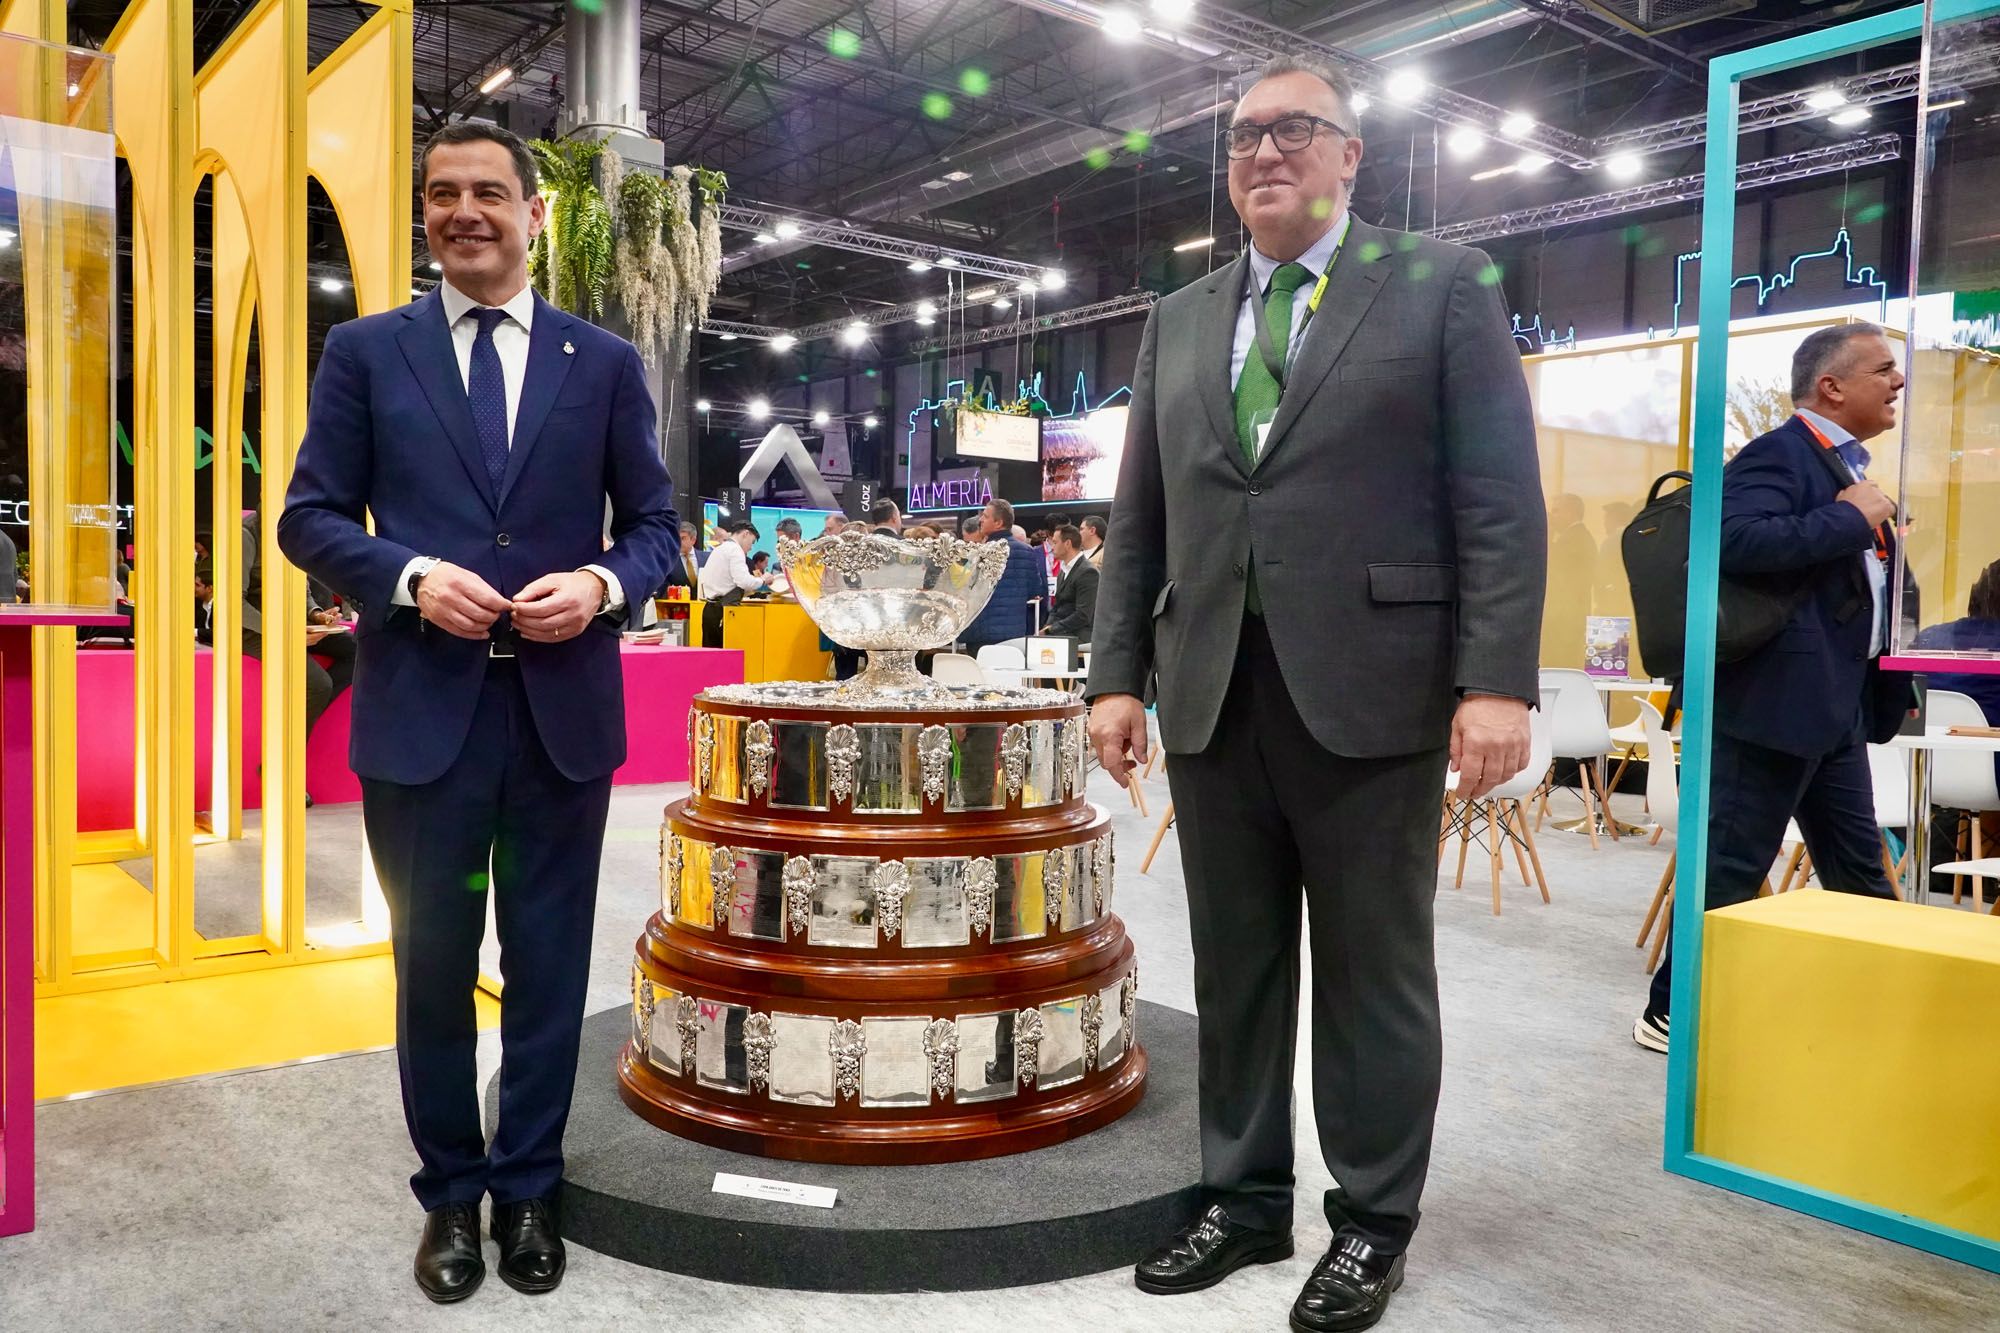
659, 683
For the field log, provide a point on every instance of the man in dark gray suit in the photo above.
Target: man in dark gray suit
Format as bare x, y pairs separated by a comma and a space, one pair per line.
1331, 552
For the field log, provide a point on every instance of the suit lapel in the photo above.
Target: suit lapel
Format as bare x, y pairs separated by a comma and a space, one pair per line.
426, 344
1223, 298
548, 367
1358, 275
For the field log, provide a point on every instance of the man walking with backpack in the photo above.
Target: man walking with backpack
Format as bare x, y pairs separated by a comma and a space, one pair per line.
1802, 524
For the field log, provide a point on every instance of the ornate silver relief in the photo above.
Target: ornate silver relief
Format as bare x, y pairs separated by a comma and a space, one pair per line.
1071, 750
1014, 756
1093, 1025
704, 749
892, 883
1100, 874
1128, 1006
941, 1047
672, 851
757, 1044
847, 1044
1055, 887
798, 894
982, 881
721, 885
757, 752
843, 748
1027, 1045
934, 754
687, 1022
645, 1014
825, 694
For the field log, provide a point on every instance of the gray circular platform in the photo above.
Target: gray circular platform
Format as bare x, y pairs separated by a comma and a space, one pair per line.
1094, 1203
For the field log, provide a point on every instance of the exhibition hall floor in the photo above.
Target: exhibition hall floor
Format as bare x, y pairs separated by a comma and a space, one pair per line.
278, 1199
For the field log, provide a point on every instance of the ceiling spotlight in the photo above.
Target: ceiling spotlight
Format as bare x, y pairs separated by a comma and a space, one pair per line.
332, 285
729, 337
854, 334
926, 320
1173, 11
436, 267
701, 404
1531, 163
784, 342
1027, 289
497, 80
759, 408
1825, 99
1054, 280
919, 266
766, 238
1853, 115
1361, 102
871, 423
982, 293
786, 229
1946, 106
820, 417
946, 261
955, 177
1121, 25
1406, 86
1464, 142
925, 309
1491, 172
1624, 166
1198, 243
1517, 126
1002, 303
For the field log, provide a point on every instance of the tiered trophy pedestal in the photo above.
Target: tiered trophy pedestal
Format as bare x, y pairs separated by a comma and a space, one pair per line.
886, 931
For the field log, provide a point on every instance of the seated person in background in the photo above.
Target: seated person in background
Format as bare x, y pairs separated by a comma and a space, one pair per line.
760, 565
1076, 586
1978, 631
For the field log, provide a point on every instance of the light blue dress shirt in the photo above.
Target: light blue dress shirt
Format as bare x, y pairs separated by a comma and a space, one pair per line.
1856, 456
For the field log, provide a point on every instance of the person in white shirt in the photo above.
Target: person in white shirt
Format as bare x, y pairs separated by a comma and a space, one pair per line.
725, 578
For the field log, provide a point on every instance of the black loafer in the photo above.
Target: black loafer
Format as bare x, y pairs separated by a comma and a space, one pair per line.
1207, 1250
1349, 1289
531, 1253
449, 1264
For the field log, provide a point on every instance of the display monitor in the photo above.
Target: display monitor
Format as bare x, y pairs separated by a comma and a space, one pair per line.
1081, 455
995, 437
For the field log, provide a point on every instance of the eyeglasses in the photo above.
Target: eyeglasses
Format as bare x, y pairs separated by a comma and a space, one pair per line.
1290, 134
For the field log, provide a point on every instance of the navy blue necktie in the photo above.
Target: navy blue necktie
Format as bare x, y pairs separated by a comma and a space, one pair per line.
486, 391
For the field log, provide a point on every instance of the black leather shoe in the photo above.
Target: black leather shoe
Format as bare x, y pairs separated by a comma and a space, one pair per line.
1349, 1289
449, 1264
1207, 1250
531, 1253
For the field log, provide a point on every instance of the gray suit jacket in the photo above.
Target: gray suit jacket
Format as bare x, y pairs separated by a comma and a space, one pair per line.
1395, 516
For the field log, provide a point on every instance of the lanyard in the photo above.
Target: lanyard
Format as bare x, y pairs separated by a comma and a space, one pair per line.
1265, 348
1881, 533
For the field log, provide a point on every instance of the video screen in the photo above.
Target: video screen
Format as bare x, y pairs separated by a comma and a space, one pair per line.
1081, 455
997, 437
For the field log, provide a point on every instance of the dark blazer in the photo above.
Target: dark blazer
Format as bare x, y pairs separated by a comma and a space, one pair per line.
1076, 602
390, 433
1395, 516
1813, 687
1006, 615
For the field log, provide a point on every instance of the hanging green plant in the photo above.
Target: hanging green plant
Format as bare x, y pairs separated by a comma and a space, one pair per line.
647, 282
579, 266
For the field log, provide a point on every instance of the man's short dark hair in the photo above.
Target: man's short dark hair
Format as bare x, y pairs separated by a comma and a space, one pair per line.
478, 131
1822, 350
791, 527
885, 511
1072, 534
744, 525
1098, 524
969, 527
1004, 510
1343, 87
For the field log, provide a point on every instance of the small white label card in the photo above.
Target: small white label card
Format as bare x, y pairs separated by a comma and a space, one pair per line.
779, 1191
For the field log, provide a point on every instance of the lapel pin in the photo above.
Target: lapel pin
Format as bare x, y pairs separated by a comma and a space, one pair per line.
569, 349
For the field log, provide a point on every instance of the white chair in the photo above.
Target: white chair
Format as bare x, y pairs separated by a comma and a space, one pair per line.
957, 669
1961, 779
1579, 732
1498, 817
1889, 777
1002, 657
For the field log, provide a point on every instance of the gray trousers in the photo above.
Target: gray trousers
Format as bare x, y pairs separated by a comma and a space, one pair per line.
1268, 820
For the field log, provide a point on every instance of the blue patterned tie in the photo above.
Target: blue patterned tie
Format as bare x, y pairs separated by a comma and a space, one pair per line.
486, 391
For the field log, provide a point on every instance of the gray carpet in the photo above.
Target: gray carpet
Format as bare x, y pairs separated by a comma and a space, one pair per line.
278, 1199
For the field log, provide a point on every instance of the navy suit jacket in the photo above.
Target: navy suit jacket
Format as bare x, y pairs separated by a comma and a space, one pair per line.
390, 434
1813, 687
1006, 615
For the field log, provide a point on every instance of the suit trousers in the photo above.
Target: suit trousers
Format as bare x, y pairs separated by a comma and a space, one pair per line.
1752, 791
1267, 820
502, 809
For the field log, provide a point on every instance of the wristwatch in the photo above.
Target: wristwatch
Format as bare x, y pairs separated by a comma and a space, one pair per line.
423, 566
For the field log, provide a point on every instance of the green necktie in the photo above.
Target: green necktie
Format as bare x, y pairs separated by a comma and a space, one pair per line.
1257, 391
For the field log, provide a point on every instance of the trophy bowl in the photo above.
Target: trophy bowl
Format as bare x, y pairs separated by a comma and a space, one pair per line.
892, 599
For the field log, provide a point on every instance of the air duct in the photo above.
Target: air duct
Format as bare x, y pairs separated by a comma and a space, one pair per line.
601, 56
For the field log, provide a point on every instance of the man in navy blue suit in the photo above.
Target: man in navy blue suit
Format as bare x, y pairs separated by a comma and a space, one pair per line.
487, 434
1792, 719
1006, 618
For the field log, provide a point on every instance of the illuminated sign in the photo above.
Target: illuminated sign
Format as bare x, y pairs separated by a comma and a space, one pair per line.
957, 493
1769, 285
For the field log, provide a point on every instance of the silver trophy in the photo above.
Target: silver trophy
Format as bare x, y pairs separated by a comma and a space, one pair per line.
892, 599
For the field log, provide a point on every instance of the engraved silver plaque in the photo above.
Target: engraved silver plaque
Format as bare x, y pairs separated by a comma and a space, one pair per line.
981, 887
727, 780
697, 884
892, 886
664, 1044
888, 778
757, 1044
760, 896
1028, 1046
843, 908
934, 910
897, 1071
757, 751
1020, 910
976, 781
1044, 767
1111, 1035
798, 895
847, 1043
843, 752
799, 780
670, 874
941, 1049
719, 1061
1061, 1052
985, 1056
801, 1071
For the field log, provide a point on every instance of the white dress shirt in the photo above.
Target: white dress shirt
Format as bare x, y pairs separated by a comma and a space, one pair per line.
1316, 258
1878, 575
727, 567
510, 340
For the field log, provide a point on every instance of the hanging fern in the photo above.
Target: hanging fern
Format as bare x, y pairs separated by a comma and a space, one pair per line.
580, 265
647, 282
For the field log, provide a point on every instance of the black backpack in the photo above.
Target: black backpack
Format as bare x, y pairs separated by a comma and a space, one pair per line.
1655, 547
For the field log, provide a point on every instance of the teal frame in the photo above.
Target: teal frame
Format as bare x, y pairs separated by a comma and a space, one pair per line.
1726, 74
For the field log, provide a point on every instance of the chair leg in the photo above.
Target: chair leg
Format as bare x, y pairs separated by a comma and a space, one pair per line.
1534, 854
1889, 869
1624, 762
1660, 938
1493, 837
1978, 853
1542, 810
1805, 871
1658, 829
1509, 814
1596, 771
1159, 836
1792, 867
1138, 797
1464, 843
1151, 760
1589, 804
1659, 898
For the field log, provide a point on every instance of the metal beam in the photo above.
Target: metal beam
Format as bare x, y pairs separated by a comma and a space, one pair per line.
836, 234
1129, 304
